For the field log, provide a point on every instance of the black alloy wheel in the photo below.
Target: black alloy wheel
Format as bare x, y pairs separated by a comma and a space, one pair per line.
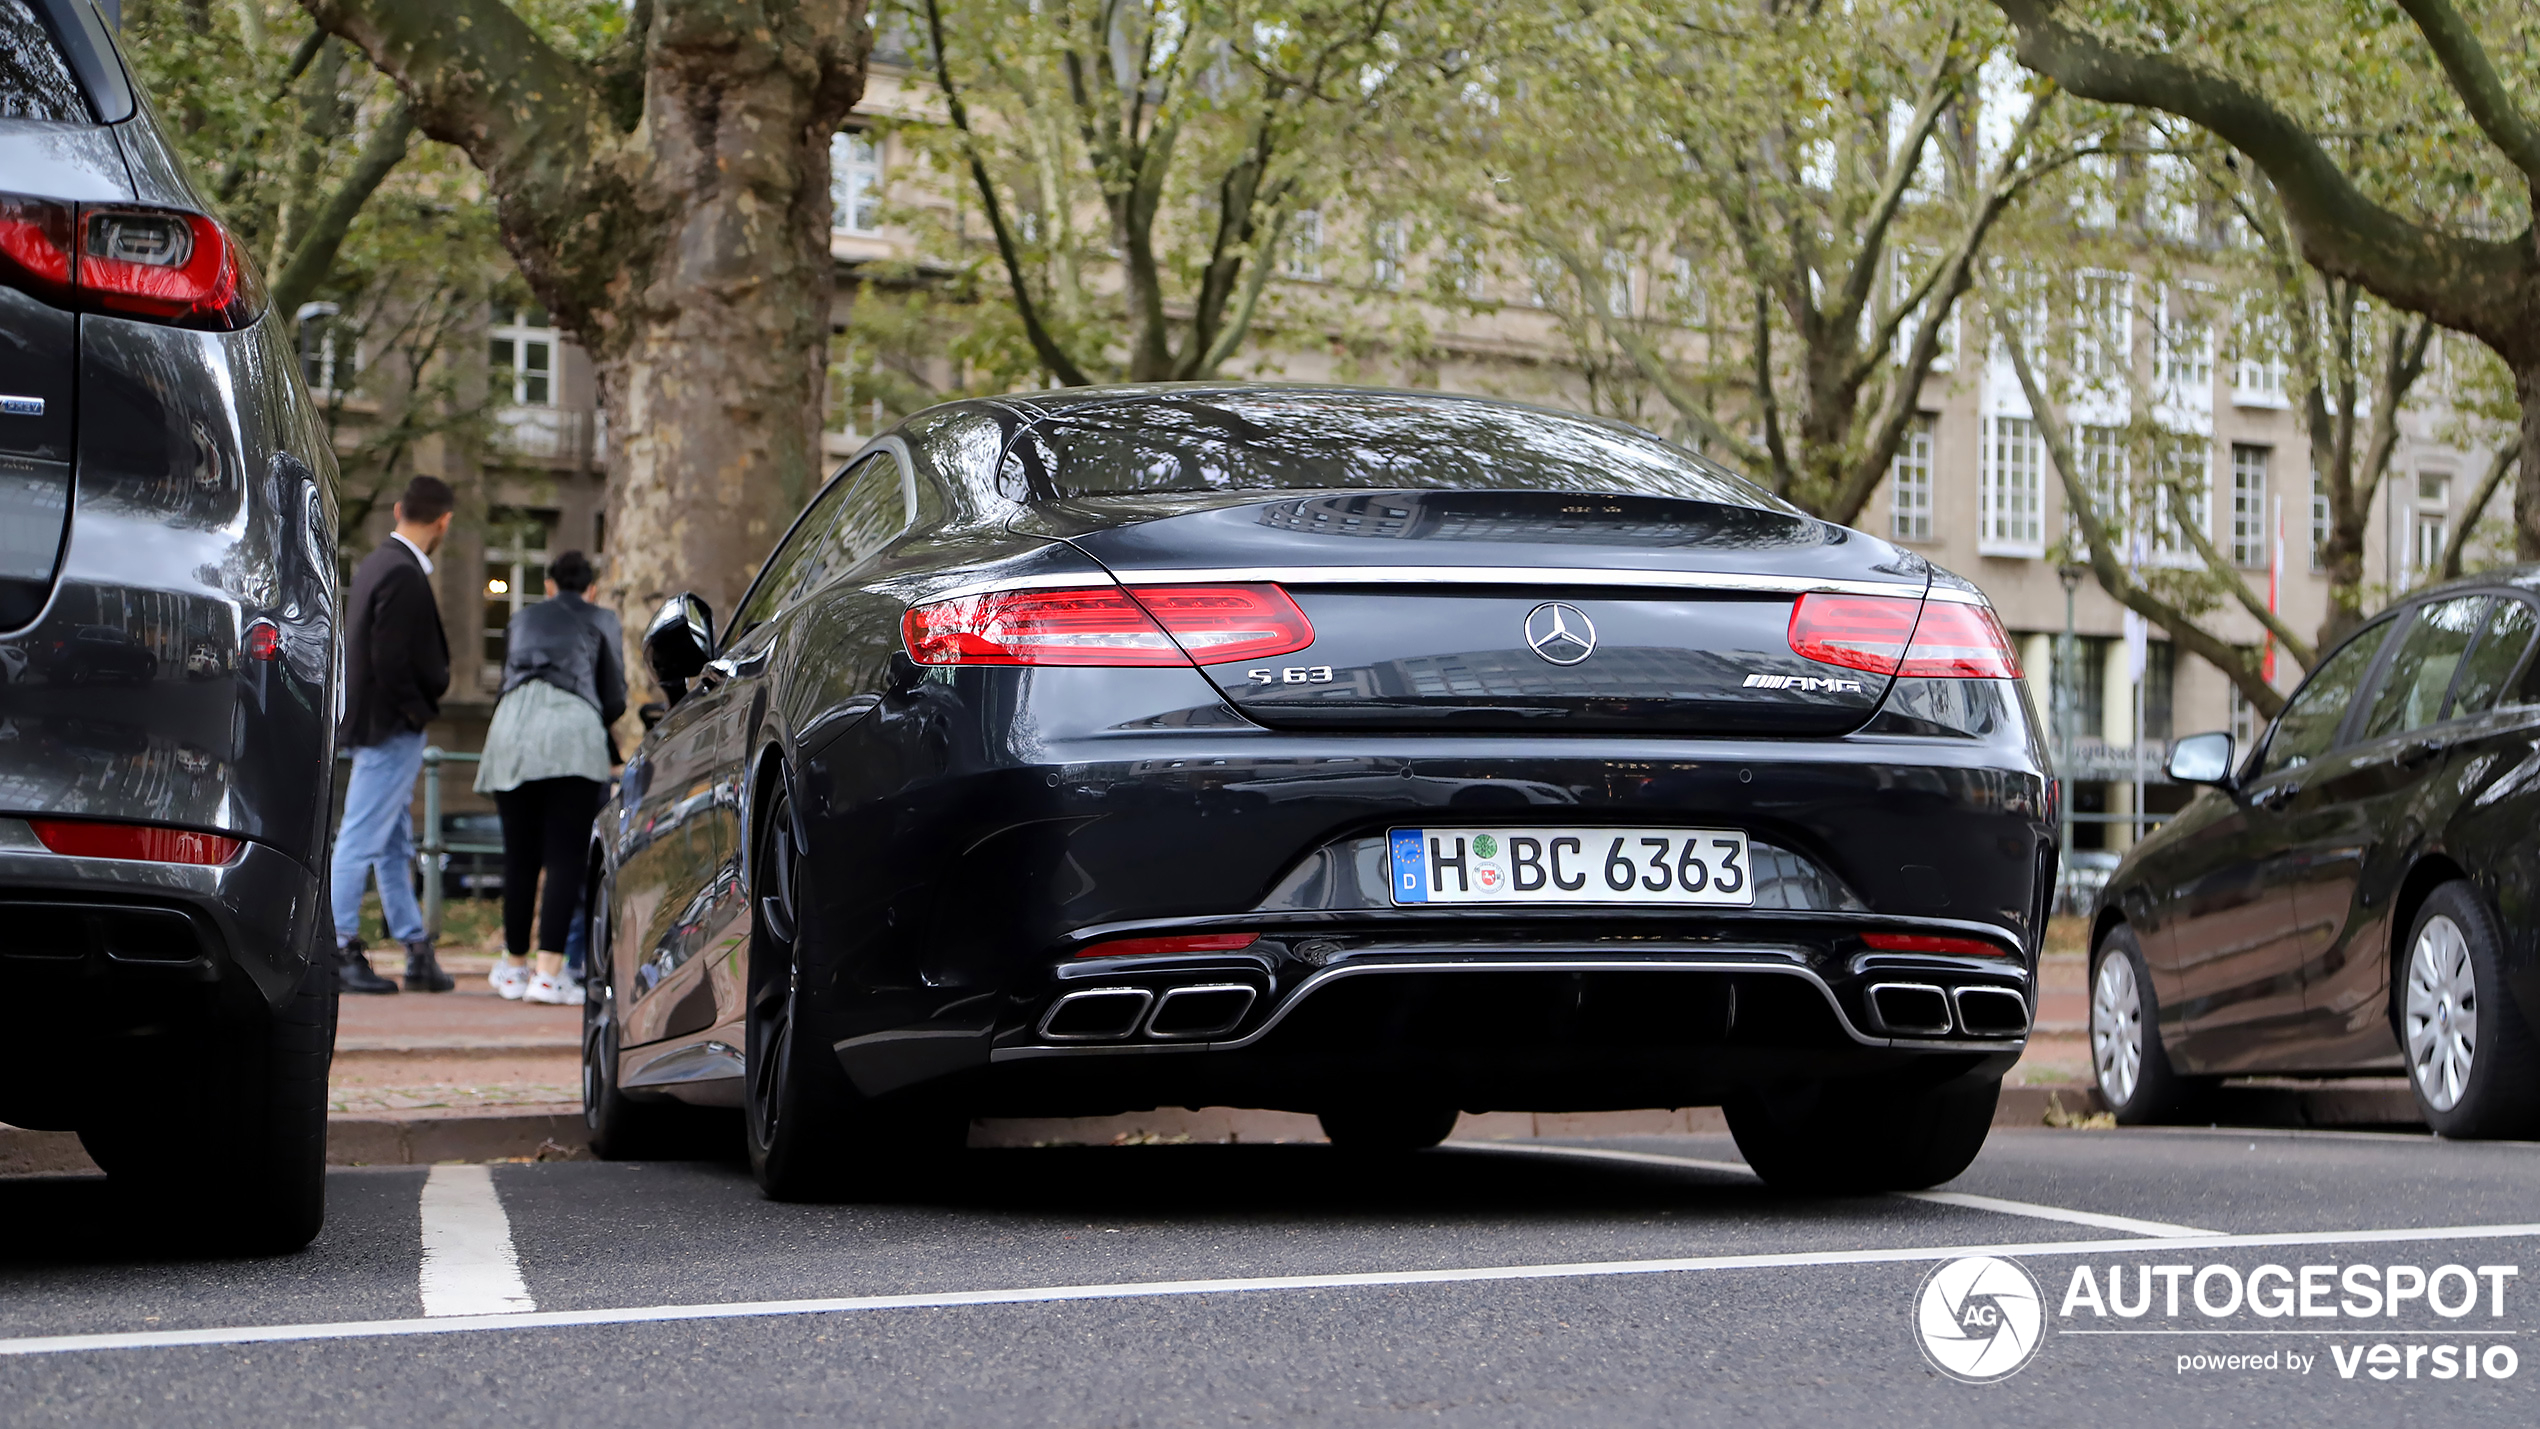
795, 1101
622, 1128
2126, 1056
1860, 1138
228, 1121
2472, 1060
1381, 1129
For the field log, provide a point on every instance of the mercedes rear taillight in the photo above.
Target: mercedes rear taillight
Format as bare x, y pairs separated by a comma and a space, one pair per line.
158, 264
149, 843
1108, 625
1897, 635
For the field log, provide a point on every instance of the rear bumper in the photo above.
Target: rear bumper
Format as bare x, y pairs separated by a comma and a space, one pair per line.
946, 905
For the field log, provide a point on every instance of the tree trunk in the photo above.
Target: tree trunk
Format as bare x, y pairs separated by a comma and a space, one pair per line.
2527, 481
711, 357
669, 203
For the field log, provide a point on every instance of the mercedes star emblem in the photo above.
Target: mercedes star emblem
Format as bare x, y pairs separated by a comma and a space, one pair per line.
1560, 632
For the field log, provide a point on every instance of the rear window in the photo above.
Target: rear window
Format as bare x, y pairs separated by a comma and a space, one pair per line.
36, 82
1280, 441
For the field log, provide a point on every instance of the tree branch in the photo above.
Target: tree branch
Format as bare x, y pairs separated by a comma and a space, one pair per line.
1645, 356
2341, 230
2498, 467
314, 255
1044, 344
1900, 176
2112, 573
2465, 61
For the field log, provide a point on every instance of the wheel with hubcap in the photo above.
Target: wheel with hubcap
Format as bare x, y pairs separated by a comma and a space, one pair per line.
2471, 1057
2133, 1068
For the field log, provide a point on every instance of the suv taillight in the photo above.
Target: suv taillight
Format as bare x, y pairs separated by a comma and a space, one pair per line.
159, 264
1108, 625
1896, 635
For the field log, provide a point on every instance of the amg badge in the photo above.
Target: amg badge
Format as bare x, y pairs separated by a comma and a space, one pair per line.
1805, 684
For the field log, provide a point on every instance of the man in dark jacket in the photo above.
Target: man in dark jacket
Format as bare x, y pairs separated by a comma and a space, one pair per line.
396, 668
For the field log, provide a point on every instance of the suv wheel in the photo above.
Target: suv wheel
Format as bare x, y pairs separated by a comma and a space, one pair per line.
232, 1118
2133, 1068
2471, 1057
1858, 1138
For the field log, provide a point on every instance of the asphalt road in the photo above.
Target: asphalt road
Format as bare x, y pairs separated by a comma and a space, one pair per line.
1648, 1281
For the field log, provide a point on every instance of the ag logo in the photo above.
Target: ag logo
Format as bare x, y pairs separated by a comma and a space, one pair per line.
1979, 1319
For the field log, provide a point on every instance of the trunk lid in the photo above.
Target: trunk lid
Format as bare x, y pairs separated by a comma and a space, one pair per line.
1513, 610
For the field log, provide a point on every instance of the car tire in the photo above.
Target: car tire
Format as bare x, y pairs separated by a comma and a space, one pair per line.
1861, 1138
2472, 1060
1388, 1130
231, 1119
2127, 1058
795, 1097
621, 1127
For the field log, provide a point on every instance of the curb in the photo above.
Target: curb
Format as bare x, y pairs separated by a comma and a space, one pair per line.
554, 1132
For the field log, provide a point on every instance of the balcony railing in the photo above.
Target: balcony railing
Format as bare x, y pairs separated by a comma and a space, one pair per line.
575, 437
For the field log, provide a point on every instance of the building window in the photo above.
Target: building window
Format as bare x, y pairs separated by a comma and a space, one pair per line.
855, 181
2258, 377
2100, 453
1546, 275
524, 355
329, 353
2434, 528
1304, 258
1466, 275
1909, 489
2011, 494
1619, 293
516, 545
2160, 691
2319, 522
2183, 344
1905, 268
1693, 301
2434, 489
2085, 684
2249, 542
2103, 330
2244, 721
2182, 498
1390, 241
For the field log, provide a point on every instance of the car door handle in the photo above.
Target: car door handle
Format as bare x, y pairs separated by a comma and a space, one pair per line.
733, 667
2275, 798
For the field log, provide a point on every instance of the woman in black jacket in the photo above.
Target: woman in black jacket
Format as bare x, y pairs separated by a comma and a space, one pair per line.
546, 762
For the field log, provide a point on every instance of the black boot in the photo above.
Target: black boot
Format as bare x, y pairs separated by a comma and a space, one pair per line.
352, 970
423, 970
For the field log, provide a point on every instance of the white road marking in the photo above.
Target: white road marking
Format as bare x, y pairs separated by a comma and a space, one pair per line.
469, 1266
2035, 1211
1996, 1204
1061, 1294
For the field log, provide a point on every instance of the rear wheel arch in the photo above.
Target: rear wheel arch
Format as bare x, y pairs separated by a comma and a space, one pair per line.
2430, 872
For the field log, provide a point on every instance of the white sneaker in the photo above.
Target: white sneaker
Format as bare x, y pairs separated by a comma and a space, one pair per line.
553, 991
508, 980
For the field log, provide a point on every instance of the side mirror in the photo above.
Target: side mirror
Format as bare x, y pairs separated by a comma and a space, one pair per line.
2202, 759
677, 642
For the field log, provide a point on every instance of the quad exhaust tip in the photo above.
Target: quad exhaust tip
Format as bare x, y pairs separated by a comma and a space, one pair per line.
1179, 1014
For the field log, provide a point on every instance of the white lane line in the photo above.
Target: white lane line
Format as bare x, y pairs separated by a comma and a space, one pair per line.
2094, 1219
1996, 1204
469, 1266
1060, 1294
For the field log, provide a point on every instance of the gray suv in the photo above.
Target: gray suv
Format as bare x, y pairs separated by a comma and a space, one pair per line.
168, 650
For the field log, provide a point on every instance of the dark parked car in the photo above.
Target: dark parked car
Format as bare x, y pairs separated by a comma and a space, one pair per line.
2361, 893
1373, 754
164, 480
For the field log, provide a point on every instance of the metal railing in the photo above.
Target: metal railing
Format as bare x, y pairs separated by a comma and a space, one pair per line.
432, 852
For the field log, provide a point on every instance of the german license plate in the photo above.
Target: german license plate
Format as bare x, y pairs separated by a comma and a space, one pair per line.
1694, 867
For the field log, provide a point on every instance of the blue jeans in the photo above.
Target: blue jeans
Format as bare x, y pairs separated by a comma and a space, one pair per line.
378, 836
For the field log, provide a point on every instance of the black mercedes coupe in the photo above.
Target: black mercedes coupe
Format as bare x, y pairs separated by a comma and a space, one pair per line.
2361, 894
1380, 755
